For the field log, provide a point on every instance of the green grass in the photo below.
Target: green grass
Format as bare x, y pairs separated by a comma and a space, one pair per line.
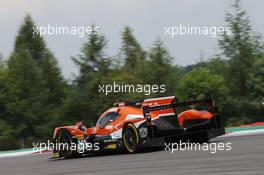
236, 129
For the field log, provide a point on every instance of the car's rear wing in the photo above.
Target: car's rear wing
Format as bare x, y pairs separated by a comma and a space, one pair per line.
161, 103
209, 102
150, 101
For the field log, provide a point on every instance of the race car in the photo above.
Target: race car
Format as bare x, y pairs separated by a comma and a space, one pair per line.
133, 125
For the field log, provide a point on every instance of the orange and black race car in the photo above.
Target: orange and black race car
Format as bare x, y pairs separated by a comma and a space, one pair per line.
133, 125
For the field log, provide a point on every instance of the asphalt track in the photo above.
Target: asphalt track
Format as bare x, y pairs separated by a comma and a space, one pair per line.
246, 157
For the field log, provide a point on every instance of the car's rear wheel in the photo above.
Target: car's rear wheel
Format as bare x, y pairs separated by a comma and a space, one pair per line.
65, 141
130, 138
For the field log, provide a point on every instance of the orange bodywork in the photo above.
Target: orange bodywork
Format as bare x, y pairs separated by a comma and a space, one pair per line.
133, 114
132, 125
194, 115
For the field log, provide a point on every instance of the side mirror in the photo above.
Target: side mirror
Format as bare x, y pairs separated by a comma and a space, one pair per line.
81, 126
78, 124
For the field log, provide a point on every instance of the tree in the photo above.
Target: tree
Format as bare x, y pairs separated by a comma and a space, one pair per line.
24, 87
256, 84
50, 72
215, 65
92, 60
158, 69
131, 51
256, 78
6, 133
84, 102
201, 83
240, 48
3, 72
53, 81
33, 86
1, 62
159, 63
29, 40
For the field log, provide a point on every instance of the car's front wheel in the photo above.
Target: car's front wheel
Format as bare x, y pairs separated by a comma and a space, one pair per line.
65, 142
130, 138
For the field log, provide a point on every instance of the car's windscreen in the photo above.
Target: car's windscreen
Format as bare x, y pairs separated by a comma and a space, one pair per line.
109, 117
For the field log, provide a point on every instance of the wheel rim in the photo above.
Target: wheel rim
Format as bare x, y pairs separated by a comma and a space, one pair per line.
130, 138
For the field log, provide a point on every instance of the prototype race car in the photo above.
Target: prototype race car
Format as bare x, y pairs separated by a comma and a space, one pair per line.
132, 125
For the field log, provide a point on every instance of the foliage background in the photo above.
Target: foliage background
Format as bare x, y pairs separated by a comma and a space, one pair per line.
35, 98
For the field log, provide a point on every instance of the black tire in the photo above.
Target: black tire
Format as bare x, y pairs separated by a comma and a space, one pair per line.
130, 138
64, 137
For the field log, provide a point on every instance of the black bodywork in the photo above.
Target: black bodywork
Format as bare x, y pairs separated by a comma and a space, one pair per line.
199, 131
